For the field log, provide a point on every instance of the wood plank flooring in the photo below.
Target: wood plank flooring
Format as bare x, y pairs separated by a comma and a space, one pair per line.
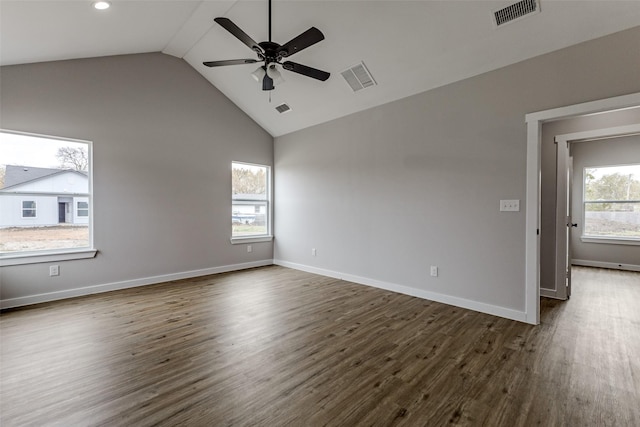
279, 347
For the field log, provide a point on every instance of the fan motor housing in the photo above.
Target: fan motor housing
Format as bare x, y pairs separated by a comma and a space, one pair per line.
271, 51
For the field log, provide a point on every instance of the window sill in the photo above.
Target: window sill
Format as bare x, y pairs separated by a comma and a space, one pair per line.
250, 239
610, 240
34, 258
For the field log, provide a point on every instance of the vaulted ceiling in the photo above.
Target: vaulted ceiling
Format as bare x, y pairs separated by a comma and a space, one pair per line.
408, 46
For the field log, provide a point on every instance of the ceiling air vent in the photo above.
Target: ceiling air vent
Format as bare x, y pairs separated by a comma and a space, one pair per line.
358, 77
283, 108
515, 11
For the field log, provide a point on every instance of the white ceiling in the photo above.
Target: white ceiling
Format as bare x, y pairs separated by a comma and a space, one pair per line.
409, 46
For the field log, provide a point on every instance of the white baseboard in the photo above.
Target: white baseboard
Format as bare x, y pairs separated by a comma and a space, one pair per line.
600, 264
406, 290
95, 289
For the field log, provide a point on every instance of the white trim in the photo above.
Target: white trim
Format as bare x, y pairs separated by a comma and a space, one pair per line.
610, 240
534, 131
532, 221
601, 264
596, 134
95, 289
250, 239
34, 258
592, 107
406, 290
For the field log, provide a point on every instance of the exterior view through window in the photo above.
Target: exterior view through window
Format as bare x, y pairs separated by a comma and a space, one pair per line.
612, 202
45, 202
250, 200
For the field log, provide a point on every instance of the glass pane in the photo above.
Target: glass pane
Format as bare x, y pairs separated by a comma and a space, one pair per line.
83, 205
56, 171
249, 219
612, 183
612, 219
249, 182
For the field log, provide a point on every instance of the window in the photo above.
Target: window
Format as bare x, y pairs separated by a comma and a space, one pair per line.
29, 209
251, 202
612, 202
41, 179
83, 209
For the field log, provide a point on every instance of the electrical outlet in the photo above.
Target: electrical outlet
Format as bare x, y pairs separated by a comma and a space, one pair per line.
54, 270
509, 205
313, 252
249, 248
434, 271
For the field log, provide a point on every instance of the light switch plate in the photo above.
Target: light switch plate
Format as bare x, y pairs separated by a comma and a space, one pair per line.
509, 205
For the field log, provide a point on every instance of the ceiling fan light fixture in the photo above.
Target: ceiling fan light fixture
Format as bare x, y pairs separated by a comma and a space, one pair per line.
275, 75
259, 74
101, 5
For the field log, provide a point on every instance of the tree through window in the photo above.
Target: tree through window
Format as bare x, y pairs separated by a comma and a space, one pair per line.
612, 202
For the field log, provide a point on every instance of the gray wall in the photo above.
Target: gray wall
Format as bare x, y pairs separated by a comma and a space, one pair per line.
608, 152
385, 193
548, 179
163, 141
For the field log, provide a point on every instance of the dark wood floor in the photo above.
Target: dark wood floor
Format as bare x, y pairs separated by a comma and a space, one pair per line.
278, 347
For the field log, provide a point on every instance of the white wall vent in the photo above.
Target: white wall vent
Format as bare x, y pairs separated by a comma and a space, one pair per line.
283, 108
358, 77
515, 12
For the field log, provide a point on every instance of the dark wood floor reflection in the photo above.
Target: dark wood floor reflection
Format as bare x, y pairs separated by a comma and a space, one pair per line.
279, 347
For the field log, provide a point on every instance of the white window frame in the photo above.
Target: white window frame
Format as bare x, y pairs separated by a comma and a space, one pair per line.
54, 255
255, 238
79, 209
606, 239
34, 209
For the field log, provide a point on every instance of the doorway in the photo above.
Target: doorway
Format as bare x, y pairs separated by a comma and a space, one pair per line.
565, 221
533, 200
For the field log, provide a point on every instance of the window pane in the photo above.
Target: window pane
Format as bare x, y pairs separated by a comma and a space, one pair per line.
612, 201
249, 218
41, 180
249, 182
612, 219
612, 183
28, 209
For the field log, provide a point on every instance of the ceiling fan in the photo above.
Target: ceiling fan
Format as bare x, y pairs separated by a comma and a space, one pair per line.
272, 54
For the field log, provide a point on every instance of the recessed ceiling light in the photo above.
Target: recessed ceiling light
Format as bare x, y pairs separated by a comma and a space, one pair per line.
101, 5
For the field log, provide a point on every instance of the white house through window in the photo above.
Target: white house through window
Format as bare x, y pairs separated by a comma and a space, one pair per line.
45, 195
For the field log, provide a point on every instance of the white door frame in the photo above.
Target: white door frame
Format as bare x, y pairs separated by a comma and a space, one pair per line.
563, 191
534, 144
561, 203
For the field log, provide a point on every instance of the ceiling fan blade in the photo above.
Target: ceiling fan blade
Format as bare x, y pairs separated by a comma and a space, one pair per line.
230, 62
314, 73
238, 33
303, 41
